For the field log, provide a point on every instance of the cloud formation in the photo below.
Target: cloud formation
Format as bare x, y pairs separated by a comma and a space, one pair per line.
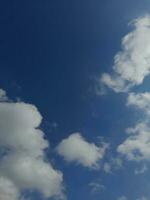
23, 164
132, 63
137, 145
8, 190
76, 149
140, 101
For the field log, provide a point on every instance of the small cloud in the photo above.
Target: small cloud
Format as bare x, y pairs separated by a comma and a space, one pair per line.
96, 187
3, 96
122, 198
112, 164
76, 149
107, 167
140, 101
141, 171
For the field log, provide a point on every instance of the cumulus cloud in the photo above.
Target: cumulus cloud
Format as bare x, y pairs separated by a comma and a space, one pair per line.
132, 63
140, 101
137, 145
76, 149
22, 153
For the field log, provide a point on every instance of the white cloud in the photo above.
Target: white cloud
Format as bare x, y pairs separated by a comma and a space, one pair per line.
112, 164
76, 148
22, 151
137, 145
19, 128
96, 187
132, 63
31, 173
140, 100
3, 95
8, 190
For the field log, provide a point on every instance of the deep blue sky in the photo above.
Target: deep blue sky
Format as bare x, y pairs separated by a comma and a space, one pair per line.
51, 51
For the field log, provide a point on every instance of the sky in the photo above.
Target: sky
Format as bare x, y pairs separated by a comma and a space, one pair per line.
75, 100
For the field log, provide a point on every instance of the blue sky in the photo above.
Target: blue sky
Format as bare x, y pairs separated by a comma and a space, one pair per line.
59, 56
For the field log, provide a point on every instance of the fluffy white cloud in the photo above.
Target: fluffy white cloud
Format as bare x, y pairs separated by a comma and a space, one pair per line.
19, 128
140, 100
137, 145
132, 63
76, 148
22, 152
8, 190
32, 173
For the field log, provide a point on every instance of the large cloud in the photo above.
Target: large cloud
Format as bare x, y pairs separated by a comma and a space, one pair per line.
76, 148
22, 152
132, 63
32, 173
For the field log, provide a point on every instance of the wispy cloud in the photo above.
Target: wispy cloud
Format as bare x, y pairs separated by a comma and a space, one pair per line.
96, 187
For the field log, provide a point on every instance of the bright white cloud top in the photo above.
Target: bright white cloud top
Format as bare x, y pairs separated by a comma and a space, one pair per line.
23, 162
76, 149
132, 63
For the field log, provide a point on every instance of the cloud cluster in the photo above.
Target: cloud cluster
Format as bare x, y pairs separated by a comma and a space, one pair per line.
131, 66
137, 145
140, 101
23, 163
76, 149
132, 63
